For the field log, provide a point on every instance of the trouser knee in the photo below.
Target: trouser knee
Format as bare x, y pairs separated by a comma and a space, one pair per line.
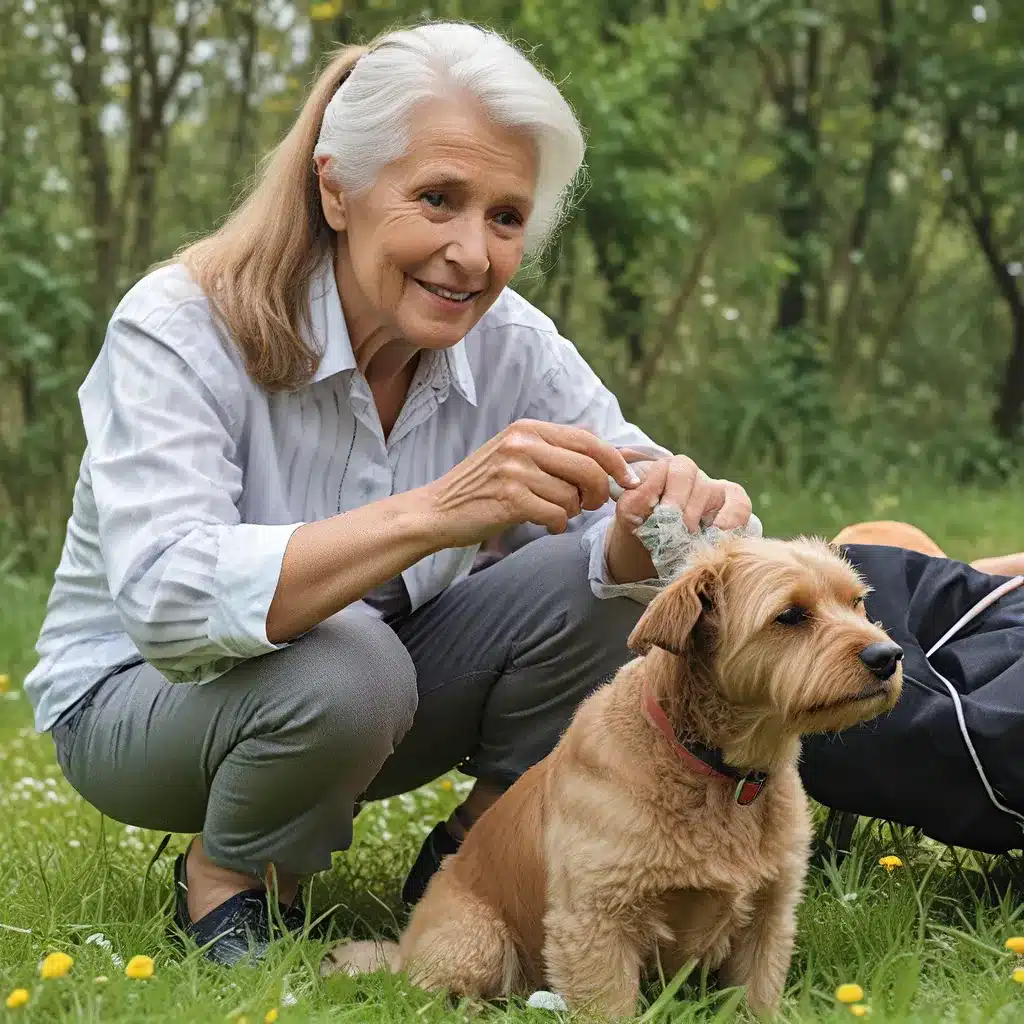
354, 692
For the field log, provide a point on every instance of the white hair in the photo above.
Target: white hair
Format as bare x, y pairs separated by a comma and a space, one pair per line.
366, 124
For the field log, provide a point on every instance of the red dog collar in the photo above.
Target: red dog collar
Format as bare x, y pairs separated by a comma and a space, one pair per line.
704, 760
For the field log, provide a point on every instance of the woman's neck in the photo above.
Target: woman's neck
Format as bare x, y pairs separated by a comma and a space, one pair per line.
383, 356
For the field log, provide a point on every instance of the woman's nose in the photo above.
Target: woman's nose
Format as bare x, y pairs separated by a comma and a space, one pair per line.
468, 248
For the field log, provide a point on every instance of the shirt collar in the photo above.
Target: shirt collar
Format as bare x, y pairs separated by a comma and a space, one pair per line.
328, 334
327, 325
461, 371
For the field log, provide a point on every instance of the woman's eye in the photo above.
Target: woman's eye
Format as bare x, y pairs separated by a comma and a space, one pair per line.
433, 199
792, 616
509, 219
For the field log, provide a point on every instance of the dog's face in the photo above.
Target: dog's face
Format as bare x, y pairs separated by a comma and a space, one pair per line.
780, 628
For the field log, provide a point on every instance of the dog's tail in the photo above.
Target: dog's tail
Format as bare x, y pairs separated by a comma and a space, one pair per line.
365, 957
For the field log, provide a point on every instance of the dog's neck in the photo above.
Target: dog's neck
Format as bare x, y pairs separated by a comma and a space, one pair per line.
699, 714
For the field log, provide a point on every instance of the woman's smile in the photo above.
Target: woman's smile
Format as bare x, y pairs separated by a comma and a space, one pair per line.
447, 298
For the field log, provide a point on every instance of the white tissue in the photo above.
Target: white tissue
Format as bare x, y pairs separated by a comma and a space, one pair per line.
547, 1001
670, 543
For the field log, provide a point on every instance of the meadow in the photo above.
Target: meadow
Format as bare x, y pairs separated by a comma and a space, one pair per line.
920, 939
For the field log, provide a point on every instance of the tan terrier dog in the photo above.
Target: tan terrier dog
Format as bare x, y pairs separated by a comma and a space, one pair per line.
670, 822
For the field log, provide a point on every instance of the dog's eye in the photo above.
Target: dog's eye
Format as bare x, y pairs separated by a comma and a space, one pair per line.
792, 616
858, 601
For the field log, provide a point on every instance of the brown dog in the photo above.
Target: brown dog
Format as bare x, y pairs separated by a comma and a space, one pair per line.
903, 535
670, 822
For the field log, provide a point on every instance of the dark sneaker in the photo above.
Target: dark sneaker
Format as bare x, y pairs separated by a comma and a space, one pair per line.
240, 927
440, 843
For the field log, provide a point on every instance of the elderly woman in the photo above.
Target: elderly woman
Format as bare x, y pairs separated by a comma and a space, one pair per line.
272, 603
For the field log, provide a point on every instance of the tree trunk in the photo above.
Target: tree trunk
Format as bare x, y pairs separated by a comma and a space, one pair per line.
976, 203
624, 318
84, 24
247, 28
1010, 410
799, 209
884, 141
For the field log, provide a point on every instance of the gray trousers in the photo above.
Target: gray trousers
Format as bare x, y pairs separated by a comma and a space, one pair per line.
268, 760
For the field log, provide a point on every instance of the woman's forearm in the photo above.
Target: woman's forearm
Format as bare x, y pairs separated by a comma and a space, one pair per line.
331, 563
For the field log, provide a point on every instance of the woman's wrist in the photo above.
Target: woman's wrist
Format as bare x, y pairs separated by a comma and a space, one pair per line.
627, 559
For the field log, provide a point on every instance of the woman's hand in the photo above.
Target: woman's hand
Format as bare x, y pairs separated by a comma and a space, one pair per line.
678, 481
532, 472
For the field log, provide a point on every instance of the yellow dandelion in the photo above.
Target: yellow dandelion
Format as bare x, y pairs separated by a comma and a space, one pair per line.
890, 863
17, 999
447, 784
56, 965
849, 993
1015, 944
5, 685
139, 967
859, 1010
1018, 975
325, 11
270, 1016
101, 979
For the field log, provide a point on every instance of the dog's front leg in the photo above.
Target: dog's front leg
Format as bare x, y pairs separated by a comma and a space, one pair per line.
592, 961
763, 948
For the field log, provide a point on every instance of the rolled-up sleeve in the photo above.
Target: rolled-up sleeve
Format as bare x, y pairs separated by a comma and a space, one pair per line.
568, 391
191, 583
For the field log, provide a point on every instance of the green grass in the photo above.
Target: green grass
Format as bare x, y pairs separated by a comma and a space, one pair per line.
921, 943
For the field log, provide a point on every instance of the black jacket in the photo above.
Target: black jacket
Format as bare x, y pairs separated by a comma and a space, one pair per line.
914, 765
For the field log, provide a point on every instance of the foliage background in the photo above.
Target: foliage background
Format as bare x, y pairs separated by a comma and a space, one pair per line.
799, 257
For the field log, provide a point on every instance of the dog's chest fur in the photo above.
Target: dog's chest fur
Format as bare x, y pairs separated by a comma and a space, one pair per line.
672, 850
707, 884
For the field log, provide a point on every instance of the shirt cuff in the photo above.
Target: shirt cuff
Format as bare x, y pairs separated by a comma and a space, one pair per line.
249, 561
601, 584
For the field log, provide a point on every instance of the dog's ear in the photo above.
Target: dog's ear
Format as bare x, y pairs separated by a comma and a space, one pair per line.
670, 617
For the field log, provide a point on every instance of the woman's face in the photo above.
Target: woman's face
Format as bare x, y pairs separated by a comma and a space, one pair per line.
426, 251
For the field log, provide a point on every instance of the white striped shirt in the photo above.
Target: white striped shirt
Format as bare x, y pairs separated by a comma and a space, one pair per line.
194, 477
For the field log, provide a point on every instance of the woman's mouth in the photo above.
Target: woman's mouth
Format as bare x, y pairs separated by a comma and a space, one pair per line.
446, 293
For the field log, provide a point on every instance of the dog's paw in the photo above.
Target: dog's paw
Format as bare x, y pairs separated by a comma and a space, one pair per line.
354, 958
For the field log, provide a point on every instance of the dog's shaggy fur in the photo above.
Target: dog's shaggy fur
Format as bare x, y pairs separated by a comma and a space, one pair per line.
613, 852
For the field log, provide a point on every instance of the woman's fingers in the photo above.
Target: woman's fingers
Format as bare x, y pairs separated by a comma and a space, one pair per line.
633, 456
576, 439
551, 516
678, 481
735, 510
689, 490
580, 471
634, 506
555, 490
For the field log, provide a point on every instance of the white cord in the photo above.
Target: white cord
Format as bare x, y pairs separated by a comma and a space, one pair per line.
973, 613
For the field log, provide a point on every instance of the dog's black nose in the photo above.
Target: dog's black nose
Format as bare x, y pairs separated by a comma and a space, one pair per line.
882, 658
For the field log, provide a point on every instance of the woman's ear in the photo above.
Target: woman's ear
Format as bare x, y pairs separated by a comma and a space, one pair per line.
671, 616
332, 200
